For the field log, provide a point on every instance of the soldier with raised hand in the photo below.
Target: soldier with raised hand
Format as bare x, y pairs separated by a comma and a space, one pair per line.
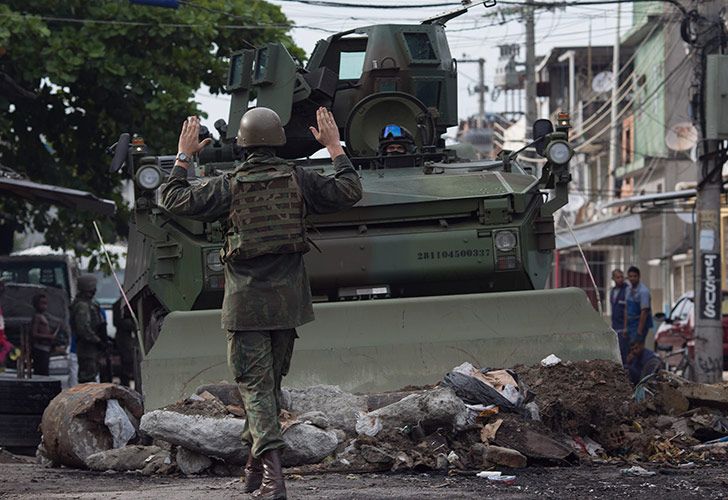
89, 326
263, 203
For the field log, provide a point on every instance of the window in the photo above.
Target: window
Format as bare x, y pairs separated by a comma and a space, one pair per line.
351, 65
681, 311
419, 46
428, 92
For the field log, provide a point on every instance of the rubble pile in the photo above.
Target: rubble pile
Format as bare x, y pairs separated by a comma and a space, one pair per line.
556, 413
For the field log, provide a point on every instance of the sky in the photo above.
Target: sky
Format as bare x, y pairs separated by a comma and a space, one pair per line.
475, 34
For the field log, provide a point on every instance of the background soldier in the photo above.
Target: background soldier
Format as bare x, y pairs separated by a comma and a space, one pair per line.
267, 293
89, 326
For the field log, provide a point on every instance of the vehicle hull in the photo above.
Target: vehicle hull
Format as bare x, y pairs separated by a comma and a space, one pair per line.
379, 345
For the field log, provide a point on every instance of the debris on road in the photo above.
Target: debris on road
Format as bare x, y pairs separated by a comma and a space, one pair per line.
74, 423
562, 414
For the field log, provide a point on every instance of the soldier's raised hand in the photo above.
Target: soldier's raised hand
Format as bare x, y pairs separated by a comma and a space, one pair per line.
327, 133
189, 140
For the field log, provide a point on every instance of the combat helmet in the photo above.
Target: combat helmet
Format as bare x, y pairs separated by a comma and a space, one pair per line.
261, 127
86, 283
396, 134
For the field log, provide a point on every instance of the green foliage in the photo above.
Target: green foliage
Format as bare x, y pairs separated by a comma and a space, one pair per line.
124, 68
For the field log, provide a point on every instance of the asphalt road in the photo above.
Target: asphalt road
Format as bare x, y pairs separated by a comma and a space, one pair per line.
21, 481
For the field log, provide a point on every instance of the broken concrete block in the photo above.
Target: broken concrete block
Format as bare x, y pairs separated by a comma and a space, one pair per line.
506, 457
307, 444
133, 457
213, 437
229, 394
375, 455
711, 395
316, 418
73, 425
341, 408
190, 462
430, 410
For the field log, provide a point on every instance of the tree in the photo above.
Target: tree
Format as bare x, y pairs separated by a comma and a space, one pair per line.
101, 68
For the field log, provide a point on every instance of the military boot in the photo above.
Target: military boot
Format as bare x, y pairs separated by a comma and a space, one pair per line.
253, 473
273, 487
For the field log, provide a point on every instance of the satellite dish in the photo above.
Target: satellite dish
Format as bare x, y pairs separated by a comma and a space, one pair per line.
681, 136
603, 82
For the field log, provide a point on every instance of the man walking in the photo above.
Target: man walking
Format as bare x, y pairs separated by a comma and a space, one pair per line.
617, 299
267, 293
638, 319
89, 327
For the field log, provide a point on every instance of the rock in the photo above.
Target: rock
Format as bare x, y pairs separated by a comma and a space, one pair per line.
340, 435
670, 400
235, 410
190, 462
341, 408
431, 410
316, 418
307, 444
213, 437
664, 421
375, 455
505, 457
229, 394
402, 462
441, 462
132, 457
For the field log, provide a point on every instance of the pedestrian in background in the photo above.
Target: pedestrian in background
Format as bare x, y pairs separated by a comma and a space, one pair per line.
89, 327
6, 348
267, 292
618, 301
638, 318
41, 335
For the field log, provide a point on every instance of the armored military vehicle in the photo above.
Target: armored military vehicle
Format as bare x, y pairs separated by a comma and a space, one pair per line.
444, 260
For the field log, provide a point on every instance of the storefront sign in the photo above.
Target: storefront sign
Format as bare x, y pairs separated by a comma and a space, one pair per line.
710, 295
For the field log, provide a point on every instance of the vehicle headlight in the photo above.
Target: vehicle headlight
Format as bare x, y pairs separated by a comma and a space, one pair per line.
559, 152
505, 241
149, 177
212, 260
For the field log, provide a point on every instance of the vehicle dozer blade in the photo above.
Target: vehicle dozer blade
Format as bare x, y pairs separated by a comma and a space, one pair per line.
379, 345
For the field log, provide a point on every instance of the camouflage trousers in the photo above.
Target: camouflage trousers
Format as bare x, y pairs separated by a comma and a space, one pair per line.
258, 361
88, 361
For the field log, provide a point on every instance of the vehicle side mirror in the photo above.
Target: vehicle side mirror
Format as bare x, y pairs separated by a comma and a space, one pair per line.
541, 128
121, 153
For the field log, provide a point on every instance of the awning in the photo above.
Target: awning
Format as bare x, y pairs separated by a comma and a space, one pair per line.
652, 199
589, 233
71, 198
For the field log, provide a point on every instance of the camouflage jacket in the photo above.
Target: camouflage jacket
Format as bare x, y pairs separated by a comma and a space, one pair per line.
87, 320
269, 292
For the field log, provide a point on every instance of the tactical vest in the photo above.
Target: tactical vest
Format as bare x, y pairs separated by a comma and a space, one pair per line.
266, 214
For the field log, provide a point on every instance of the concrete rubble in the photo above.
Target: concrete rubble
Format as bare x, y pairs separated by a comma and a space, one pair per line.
548, 414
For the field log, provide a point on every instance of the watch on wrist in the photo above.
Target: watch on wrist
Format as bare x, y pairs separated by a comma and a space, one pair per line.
184, 158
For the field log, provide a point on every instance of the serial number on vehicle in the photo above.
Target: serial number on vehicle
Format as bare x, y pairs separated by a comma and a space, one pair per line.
453, 254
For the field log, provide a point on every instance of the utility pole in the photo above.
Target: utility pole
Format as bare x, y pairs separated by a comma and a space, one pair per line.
613, 112
481, 89
530, 70
711, 73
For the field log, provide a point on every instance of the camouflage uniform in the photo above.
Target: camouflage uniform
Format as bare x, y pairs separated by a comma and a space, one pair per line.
86, 322
268, 296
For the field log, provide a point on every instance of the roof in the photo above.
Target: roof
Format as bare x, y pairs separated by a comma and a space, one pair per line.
595, 231
653, 199
71, 198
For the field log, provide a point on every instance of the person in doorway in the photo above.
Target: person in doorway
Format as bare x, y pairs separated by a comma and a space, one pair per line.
641, 362
41, 336
89, 327
618, 301
638, 317
267, 293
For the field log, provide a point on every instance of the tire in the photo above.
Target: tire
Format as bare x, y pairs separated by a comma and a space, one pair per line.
19, 431
27, 397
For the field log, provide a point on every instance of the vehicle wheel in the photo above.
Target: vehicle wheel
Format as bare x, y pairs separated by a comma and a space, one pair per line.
27, 397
